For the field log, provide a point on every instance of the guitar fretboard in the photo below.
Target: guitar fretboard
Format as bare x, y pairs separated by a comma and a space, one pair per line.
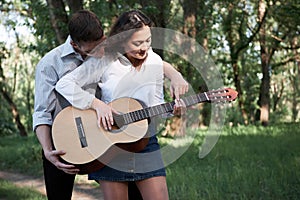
148, 112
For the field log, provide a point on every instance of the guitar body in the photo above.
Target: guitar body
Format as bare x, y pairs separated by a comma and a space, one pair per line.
99, 144
90, 147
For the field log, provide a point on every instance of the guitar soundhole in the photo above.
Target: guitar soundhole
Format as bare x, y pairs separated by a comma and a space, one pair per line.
117, 129
119, 123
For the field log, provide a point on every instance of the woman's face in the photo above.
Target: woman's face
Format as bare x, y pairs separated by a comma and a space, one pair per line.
139, 43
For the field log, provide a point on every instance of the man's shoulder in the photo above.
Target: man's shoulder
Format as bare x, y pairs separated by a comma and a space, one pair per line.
60, 51
53, 53
58, 55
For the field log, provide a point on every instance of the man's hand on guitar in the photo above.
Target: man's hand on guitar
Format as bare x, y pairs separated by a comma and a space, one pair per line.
104, 114
53, 157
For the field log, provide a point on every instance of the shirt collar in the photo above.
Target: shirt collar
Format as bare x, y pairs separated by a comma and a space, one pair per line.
68, 48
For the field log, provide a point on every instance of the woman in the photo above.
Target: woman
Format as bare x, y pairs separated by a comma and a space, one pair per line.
129, 69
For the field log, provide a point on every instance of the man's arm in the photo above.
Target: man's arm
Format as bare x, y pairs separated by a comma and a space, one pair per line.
44, 104
178, 85
44, 137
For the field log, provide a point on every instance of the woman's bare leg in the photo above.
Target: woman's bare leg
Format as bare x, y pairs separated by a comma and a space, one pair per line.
154, 188
114, 190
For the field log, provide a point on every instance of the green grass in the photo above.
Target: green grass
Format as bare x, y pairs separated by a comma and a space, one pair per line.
21, 154
8, 191
246, 163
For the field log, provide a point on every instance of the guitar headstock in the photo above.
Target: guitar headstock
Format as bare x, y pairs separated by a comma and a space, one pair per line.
222, 95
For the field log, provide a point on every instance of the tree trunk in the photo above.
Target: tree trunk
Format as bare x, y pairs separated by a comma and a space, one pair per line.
237, 84
159, 18
264, 97
295, 81
13, 107
278, 89
235, 50
239, 40
177, 125
264, 100
59, 19
189, 15
7, 97
15, 112
75, 5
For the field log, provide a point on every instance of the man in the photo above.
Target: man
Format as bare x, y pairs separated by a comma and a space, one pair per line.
86, 33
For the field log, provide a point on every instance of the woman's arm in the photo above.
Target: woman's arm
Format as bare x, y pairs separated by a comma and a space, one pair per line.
178, 85
70, 86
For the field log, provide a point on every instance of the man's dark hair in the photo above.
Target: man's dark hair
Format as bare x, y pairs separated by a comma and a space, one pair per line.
85, 26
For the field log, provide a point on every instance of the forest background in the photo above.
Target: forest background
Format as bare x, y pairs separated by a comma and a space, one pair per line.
254, 43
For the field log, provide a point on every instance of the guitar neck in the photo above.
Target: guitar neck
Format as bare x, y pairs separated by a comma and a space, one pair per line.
138, 115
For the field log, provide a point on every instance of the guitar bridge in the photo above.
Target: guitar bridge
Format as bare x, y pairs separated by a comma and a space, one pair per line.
81, 132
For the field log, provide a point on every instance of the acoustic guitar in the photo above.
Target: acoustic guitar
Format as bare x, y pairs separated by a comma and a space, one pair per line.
76, 132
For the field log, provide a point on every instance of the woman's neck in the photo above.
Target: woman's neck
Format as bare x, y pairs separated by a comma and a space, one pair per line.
137, 63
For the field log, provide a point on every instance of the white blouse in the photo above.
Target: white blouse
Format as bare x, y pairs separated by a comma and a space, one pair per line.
117, 78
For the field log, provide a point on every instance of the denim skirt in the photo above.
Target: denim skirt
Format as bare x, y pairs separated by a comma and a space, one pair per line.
134, 166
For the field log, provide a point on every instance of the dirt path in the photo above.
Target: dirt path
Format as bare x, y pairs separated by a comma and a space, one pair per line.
82, 189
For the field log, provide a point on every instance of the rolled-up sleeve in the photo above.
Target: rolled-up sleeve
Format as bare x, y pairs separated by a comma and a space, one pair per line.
45, 98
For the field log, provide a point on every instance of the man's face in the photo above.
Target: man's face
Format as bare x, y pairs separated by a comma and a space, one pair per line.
89, 48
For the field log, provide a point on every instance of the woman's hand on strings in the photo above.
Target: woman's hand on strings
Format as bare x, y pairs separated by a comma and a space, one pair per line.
104, 114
